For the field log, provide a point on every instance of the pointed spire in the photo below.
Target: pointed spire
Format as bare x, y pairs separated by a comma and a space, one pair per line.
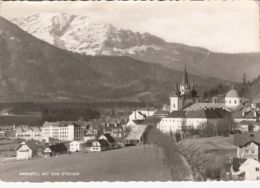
177, 91
185, 76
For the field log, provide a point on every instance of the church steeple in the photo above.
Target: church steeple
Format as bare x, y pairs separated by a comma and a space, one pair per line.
185, 76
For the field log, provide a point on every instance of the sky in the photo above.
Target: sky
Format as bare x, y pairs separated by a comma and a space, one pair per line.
220, 26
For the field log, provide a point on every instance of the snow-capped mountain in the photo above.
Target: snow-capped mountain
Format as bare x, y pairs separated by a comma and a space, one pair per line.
33, 70
81, 34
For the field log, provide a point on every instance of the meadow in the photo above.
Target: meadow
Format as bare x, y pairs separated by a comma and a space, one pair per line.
209, 156
136, 163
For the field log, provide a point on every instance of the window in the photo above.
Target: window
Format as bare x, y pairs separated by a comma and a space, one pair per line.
229, 101
257, 169
247, 151
235, 101
253, 151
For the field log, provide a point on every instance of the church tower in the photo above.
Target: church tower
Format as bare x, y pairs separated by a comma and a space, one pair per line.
185, 86
176, 101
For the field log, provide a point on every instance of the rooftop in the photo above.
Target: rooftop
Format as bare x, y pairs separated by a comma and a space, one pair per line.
232, 94
245, 138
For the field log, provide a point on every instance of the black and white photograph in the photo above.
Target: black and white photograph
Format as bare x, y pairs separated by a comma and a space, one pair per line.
121, 91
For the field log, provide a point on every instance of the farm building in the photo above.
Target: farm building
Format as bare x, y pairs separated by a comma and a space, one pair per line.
46, 152
26, 150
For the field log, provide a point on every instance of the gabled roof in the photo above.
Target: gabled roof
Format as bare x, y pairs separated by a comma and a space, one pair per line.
151, 120
237, 162
103, 143
245, 138
160, 112
202, 106
205, 114
138, 121
176, 114
109, 137
136, 132
47, 124
31, 144
247, 114
244, 122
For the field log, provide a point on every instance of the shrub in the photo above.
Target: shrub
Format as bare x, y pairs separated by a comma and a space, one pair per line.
173, 158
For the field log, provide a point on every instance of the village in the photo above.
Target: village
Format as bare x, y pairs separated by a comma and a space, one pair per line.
184, 118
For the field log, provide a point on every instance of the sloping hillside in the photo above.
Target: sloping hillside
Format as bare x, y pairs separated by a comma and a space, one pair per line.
81, 34
34, 70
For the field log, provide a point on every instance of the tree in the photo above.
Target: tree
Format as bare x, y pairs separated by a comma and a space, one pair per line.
244, 79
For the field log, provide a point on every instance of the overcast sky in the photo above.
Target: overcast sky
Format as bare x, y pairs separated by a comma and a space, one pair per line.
219, 26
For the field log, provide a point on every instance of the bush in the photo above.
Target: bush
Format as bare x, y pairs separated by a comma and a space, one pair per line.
173, 158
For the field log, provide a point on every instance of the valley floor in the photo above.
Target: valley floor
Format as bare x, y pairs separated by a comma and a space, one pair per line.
137, 163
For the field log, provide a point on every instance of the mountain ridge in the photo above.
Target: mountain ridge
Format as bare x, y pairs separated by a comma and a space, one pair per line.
85, 36
33, 70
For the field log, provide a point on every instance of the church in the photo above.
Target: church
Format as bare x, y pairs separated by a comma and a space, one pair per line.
187, 111
184, 95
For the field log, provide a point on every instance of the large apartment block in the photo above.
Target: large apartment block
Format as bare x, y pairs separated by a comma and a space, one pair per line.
62, 131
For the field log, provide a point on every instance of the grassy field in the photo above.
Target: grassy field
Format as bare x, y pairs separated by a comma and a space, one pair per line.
7, 147
208, 153
135, 163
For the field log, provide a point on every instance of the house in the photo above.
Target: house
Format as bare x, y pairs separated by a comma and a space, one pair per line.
6, 112
247, 145
136, 115
132, 123
28, 133
245, 169
76, 146
7, 131
26, 150
91, 130
115, 131
256, 102
109, 139
58, 149
248, 126
2, 134
136, 135
147, 112
97, 145
245, 114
